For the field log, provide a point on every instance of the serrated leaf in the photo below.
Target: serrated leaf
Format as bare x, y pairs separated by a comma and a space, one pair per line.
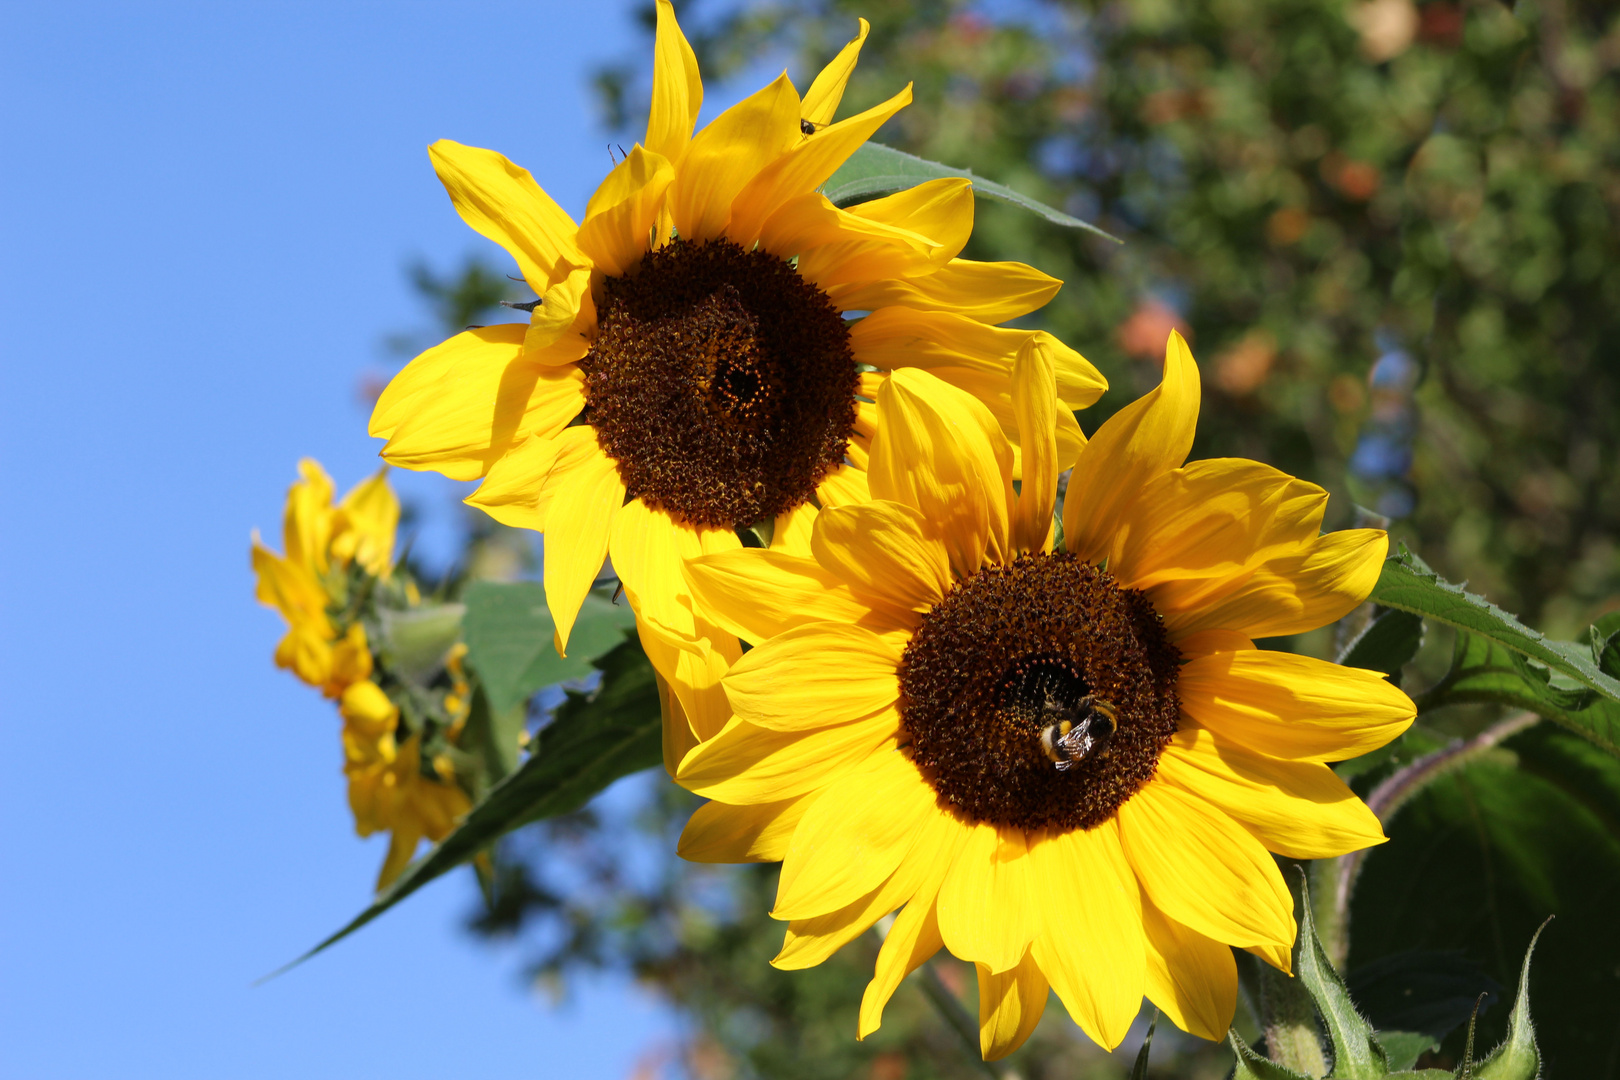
509, 631
1485, 671
1518, 1058
1408, 584
1356, 1053
595, 739
1251, 1066
876, 170
1139, 1070
1403, 1048
1387, 644
1604, 638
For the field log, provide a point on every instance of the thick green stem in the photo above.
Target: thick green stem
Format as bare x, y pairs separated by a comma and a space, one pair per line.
954, 1015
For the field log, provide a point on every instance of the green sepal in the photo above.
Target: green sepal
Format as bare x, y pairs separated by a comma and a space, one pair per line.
876, 170
1251, 1066
1357, 1054
1403, 1048
1139, 1070
595, 739
1387, 644
1518, 1058
509, 632
1604, 638
416, 641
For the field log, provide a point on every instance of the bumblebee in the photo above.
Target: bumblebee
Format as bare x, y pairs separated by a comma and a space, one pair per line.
1070, 734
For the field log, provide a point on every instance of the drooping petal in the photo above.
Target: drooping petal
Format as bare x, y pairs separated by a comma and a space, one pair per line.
988, 292
854, 837
1010, 1005
677, 94
790, 534
1090, 944
1293, 707
1190, 977
746, 763
501, 201
814, 676
579, 521
941, 210
1036, 412
759, 594
834, 246
987, 912
564, 320
844, 486
995, 393
1296, 808
516, 492
912, 939
370, 517
623, 210
827, 90
727, 154
882, 552
719, 833
940, 451
1145, 439
459, 407
306, 521
1205, 870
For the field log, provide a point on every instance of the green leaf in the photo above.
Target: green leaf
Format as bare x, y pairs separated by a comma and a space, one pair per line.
1604, 638
1356, 1053
509, 632
1425, 992
1484, 671
1408, 584
875, 170
1403, 1048
1389, 641
1139, 1070
595, 739
1518, 1058
1251, 1066
1481, 856
494, 736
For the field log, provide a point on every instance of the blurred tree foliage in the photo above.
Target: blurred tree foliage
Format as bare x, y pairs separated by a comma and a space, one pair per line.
1389, 229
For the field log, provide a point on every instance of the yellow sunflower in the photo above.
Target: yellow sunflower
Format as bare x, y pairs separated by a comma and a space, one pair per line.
1068, 766
694, 364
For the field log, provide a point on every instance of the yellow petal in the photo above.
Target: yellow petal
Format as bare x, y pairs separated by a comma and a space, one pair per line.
995, 392
719, 833
898, 337
677, 93
516, 492
854, 837
1142, 441
1203, 869
1190, 977
834, 246
564, 320
623, 210
912, 939
746, 763
370, 513
679, 738
843, 486
987, 912
578, 524
791, 531
1090, 944
1296, 808
759, 594
501, 201
813, 676
988, 292
1034, 405
460, 406
882, 552
1010, 1005
940, 451
941, 210
1293, 707
806, 165
402, 845
821, 100
306, 523
649, 551
1289, 594
727, 154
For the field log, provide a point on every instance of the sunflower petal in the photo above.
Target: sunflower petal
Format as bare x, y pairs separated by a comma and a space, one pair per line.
911, 941
995, 393
941, 210
623, 210
724, 156
834, 245
677, 94
1145, 439
759, 594
940, 451
1293, 707
827, 90
791, 531
501, 201
746, 763
579, 522
1036, 411
882, 551
844, 486
814, 676
1203, 869
719, 833
986, 911
1010, 1005
516, 492
988, 292
1190, 977
1090, 945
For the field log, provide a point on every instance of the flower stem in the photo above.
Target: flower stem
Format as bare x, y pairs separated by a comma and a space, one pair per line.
955, 1017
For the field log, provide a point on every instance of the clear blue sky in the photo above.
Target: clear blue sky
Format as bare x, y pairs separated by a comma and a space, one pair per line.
206, 208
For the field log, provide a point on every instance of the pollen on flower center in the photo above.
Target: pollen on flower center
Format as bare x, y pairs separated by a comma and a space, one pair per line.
1039, 694
721, 382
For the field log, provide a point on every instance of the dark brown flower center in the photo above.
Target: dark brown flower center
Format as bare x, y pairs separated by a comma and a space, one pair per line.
721, 382
1039, 694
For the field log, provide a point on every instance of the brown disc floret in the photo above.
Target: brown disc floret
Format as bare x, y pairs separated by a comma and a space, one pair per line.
1048, 643
721, 382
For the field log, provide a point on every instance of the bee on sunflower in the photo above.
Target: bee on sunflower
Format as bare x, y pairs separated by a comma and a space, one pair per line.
705, 350
1060, 758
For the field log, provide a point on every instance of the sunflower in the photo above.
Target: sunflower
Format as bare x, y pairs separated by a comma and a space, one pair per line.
694, 365
1068, 765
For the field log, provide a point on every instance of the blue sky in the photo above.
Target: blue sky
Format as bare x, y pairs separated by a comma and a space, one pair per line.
206, 209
